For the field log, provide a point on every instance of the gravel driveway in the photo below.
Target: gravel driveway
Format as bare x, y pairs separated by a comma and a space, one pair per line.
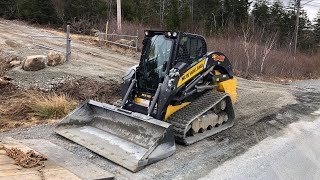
263, 110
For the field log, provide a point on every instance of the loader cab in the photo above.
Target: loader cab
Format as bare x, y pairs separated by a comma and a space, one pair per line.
161, 51
156, 56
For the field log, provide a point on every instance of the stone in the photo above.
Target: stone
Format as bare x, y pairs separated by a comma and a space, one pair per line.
94, 32
55, 59
34, 63
3, 81
15, 63
126, 42
13, 43
13, 57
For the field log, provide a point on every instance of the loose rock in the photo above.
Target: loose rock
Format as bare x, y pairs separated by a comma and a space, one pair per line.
3, 81
125, 42
34, 63
15, 63
11, 57
13, 43
55, 58
27, 160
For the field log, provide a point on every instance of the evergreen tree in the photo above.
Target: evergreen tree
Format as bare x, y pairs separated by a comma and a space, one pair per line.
39, 11
261, 13
279, 20
211, 16
305, 36
238, 10
185, 16
316, 28
8, 9
172, 18
128, 9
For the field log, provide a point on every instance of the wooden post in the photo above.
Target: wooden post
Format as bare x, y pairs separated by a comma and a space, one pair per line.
119, 15
107, 25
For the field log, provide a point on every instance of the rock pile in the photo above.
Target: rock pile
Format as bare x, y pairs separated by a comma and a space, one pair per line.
55, 58
38, 62
34, 63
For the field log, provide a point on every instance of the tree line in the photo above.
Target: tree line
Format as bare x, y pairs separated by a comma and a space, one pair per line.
210, 17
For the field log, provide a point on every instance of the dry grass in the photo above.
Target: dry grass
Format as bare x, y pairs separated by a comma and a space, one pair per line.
51, 107
19, 109
3, 65
257, 59
280, 63
14, 110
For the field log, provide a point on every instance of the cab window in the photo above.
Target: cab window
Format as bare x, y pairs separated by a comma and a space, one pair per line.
190, 49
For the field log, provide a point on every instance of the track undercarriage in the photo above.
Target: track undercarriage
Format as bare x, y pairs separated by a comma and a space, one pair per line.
207, 115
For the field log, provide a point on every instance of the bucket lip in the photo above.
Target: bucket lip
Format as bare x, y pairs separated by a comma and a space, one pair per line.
132, 114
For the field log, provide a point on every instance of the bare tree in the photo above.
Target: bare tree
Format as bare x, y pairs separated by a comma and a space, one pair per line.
247, 38
267, 48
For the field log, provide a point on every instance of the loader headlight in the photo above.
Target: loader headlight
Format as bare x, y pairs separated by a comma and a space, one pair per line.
170, 34
174, 34
146, 33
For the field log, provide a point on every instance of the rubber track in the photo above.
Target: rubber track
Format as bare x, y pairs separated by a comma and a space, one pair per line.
182, 118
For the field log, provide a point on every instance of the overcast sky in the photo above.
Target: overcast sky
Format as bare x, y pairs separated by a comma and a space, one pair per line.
311, 6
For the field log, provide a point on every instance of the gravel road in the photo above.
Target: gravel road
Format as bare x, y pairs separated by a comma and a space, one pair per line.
87, 59
293, 155
263, 110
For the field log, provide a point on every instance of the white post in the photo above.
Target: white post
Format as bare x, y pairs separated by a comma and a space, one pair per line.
119, 15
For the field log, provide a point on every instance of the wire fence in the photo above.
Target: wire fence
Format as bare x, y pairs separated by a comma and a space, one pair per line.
128, 41
66, 51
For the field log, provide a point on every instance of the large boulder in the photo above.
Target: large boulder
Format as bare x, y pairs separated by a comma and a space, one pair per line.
55, 58
34, 63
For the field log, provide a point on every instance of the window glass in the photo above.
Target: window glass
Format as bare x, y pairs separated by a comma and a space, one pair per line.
190, 50
153, 66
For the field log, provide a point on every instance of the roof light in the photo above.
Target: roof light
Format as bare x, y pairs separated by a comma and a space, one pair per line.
169, 33
174, 34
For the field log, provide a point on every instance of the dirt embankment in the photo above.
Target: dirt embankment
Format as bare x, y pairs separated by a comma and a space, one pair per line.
86, 88
18, 107
93, 73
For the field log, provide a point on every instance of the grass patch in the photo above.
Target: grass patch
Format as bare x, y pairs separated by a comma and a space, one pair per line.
52, 106
22, 109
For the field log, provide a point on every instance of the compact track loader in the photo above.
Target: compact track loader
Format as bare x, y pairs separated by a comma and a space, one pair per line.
178, 93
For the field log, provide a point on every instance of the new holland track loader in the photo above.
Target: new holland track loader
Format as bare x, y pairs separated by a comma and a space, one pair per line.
179, 92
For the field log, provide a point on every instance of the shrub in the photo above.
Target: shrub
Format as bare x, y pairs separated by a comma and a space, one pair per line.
53, 106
